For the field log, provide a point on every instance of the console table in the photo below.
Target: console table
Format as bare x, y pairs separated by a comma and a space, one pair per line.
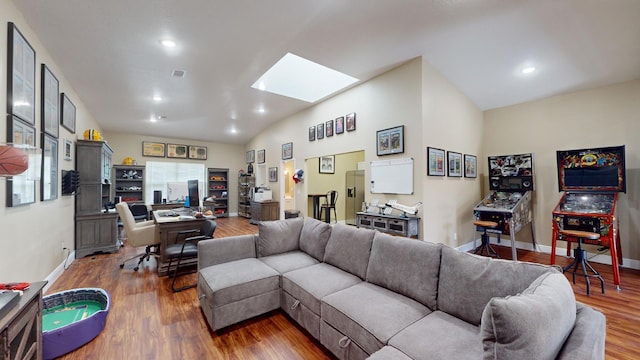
21, 327
391, 224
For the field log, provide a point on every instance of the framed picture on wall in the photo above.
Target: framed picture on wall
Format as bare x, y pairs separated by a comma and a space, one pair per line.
312, 133
287, 151
21, 77
67, 113
20, 190
470, 166
49, 176
327, 164
351, 121
68, 150
177, 151
261, 156
390, 141
320, 131
329, 128
454, 160
197, 152
340, 125
49, 102
435, 162
250, 156
154, 149
273, 174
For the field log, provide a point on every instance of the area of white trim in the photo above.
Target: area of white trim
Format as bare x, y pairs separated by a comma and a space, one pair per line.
59, 270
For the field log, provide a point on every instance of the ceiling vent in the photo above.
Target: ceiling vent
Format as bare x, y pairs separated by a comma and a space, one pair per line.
178, 73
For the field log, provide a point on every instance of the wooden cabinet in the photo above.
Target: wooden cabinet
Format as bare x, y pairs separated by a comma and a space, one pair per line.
21, 327
395, 225
245, 184
264, 211
128, 182
96, 231
218, 191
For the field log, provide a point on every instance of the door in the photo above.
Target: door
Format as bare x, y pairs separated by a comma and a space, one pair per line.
354, 195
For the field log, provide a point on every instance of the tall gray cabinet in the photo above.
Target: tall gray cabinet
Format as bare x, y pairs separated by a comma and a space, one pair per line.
96, 231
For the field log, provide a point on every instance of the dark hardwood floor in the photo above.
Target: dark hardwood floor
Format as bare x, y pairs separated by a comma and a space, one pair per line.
148, 321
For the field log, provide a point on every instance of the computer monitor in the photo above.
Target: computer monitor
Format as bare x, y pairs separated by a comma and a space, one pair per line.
194, 196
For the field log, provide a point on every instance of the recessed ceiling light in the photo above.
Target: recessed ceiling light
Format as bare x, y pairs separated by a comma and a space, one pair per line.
528, 70
157, 98
261, 110
168, 43
302, 79
153, 119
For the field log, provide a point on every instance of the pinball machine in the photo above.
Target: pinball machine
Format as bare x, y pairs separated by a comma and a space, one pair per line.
509, 203
590, 180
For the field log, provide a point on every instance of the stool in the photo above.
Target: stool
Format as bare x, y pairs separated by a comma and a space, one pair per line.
485, 246
580, 257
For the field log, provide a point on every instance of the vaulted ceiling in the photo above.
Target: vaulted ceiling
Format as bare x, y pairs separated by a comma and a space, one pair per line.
110, 52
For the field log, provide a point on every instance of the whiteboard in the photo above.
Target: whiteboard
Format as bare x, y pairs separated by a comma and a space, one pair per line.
392, 176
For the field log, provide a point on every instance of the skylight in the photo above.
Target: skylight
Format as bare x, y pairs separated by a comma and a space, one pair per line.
302, 79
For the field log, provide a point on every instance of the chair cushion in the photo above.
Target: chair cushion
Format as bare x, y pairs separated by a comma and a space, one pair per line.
237, 280
314, 237
288, 261
280, 236
538, 321
439, 336
174, 251
407, 266
349, 249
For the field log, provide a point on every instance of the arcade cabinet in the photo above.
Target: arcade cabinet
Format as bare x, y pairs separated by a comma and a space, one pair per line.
508, 208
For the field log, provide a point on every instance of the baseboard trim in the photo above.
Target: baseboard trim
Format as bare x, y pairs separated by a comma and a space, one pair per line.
593, 257
59, 270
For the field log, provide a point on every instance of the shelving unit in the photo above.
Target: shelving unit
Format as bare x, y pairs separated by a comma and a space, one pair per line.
218, 191
128, 183
245, 183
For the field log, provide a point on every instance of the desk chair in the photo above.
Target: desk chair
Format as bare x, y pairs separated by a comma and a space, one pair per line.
187, 249
330, 203
138, 234
580, 257
139, 211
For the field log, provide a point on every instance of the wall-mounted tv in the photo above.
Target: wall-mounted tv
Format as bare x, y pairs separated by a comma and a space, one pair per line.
592, 170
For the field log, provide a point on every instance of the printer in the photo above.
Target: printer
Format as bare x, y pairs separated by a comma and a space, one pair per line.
261, 195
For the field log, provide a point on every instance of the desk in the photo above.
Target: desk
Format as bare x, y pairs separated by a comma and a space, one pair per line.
168, 228
166, 206
21, 327
316, 204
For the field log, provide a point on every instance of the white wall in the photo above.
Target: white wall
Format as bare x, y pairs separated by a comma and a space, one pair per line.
31, 235
604, 116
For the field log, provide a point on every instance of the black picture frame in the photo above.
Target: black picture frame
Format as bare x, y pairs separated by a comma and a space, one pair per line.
470, 166
21, 76
250, 156
390, 141
350, 120
436, 162
49, 102
287, 151
320, 131
273, 174
49, 175
67, 113
454, 164
327, 164
312, 133
340, 125
20, 190
328, 128
261, 156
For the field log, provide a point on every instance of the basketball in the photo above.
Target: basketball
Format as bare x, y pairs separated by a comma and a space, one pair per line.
13, 161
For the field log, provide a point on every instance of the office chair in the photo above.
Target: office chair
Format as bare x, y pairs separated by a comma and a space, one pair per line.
187, 249
330, 203
139, 211
138, 234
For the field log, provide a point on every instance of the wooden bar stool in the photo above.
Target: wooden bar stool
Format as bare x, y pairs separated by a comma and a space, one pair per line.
485, 246
580, 257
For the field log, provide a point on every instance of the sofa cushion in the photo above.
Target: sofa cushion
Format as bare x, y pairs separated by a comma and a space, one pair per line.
237, 280
369, 314
534, 323
439, 336
388, 353
407, 266
587, 338
310, 284
467, 282
349, 249
275, 237
288, 261
314, 237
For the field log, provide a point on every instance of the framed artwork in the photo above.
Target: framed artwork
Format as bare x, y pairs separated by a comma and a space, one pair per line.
470, 166
435, 162
287, 151
273, 174
390, 141
67, 113
49, 107
21, 77
250, 156
20, 190
351, 122
329, 128
68, 150
454, 160
327, 164
49, 176
340, 125
197, 152
177, 151
155, 149
320, 131
261, 156
312, 133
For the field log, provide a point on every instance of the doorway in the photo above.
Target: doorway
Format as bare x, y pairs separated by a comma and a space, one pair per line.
287, 188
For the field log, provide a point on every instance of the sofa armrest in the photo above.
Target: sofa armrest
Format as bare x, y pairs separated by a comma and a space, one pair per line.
587, 338
222, 250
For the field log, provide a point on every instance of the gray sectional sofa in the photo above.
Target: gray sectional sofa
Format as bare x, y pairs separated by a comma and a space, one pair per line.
365, 294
